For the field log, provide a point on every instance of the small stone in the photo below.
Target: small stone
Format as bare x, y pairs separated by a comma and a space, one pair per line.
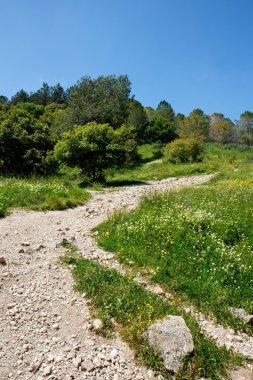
59, 358
50, 358
87, 366
97, 324
32, 367
77, 361
47, 370
157, 290
56, 326
114, 353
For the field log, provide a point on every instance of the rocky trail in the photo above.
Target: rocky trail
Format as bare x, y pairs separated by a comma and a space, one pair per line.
45, 327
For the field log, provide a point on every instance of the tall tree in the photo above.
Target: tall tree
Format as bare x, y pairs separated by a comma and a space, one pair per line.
58, 94
159, 130
3, 99
43, 96
221, 129
196, 125
245, 125
150, 112
20, 97
165, 111
137, 116
104, 100
26, 144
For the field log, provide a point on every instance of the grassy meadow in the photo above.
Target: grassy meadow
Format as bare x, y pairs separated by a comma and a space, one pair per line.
69, 188
40, 194
196, 241
223, 159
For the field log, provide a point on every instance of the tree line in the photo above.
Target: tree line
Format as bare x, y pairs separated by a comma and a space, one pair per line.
96, 124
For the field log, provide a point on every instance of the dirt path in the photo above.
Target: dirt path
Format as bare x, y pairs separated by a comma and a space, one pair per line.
45, 328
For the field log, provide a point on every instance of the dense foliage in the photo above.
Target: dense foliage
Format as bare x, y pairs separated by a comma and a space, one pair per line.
183, 150
95, 147
31, 124
26, 142
103, 100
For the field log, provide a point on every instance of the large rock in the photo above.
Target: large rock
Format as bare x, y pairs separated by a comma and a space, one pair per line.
172, 339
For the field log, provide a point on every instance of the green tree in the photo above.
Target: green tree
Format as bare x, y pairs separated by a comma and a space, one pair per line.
196, 125
165, 111
245, 125
95, 147
26, 144
35, 110
221, 129
58, 94
20, 97
150, 112
137, 116
160, 130
43, 96
55, 116
3, 99
103, 100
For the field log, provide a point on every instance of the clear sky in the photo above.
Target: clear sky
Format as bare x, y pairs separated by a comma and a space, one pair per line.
192, 53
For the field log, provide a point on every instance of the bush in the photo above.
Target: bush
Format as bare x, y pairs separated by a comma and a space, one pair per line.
184, 150
95, 147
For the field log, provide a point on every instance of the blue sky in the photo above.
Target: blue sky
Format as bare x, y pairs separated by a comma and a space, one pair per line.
192, 53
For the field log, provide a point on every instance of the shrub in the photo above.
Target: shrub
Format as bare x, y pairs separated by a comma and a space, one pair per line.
184, 150
95, 147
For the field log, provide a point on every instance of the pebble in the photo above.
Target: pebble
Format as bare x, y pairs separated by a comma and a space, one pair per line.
47, 370
77, 361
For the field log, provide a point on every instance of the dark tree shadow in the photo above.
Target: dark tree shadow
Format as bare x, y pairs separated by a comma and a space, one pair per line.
122, 183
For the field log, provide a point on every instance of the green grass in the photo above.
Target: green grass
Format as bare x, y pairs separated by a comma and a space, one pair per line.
225, 159
133, 309
40, 194
197, 241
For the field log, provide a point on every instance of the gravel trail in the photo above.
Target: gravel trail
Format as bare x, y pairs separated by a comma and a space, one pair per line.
45, 327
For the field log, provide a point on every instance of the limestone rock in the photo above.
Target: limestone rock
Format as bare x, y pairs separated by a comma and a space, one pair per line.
172, 339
